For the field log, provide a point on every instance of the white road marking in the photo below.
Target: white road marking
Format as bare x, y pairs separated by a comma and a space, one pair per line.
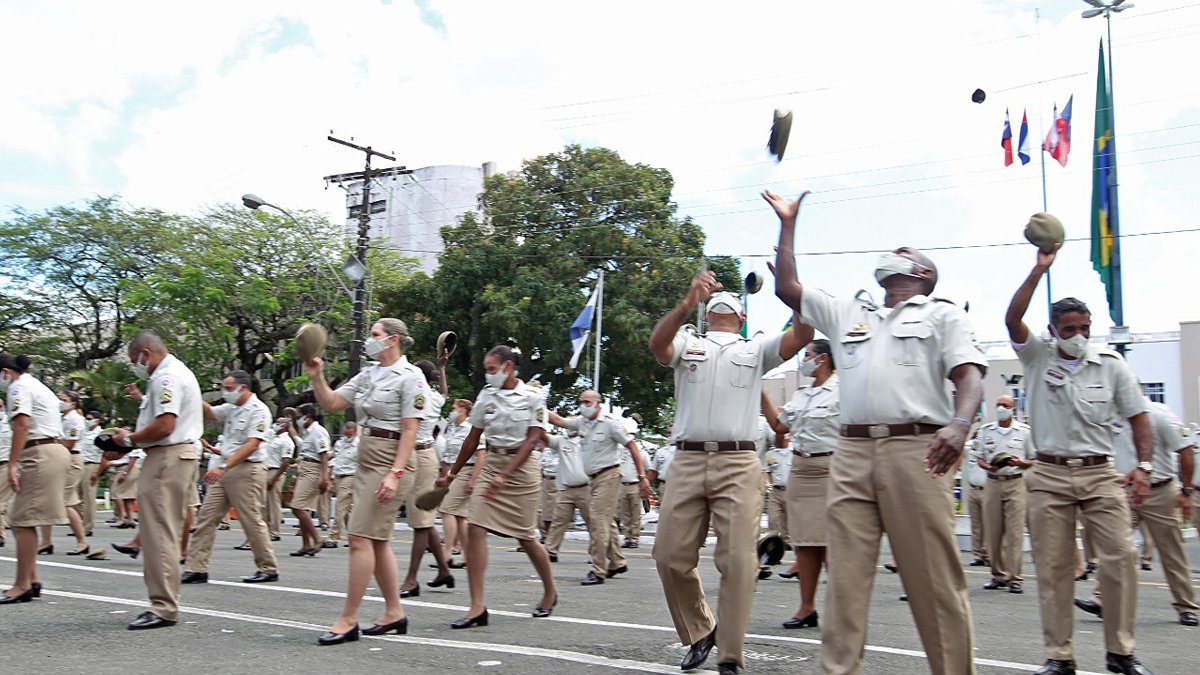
897, 651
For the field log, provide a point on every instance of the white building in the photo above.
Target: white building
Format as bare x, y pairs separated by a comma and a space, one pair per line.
408, 209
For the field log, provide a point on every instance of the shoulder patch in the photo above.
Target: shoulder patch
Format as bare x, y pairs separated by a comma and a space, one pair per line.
165, 397
166, 382
262, 426
541, 416
419, 402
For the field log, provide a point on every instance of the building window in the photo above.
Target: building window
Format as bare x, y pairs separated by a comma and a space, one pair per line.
1155, 391
377, 206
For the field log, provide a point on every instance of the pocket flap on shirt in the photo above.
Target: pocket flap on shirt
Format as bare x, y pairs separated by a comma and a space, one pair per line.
745, 359
912, 330
1096, 395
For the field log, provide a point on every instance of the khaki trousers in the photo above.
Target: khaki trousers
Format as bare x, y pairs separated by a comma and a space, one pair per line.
777, 521
1004, 524
578, 497
324, 502
273, 507
630, 511
1056, 494
1160, 516
975, 509
6, 494
880, 486
244, 487
344, 487
162, 495
1148, 542
87, 496
603, 546
724, 489
546, 504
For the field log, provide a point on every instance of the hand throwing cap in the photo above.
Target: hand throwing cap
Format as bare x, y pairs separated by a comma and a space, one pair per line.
1044, 231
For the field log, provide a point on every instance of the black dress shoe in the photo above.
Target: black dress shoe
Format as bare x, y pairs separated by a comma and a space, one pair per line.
1083, 576
904, 598
80, 551
261, 577
553, 557
629, 544
764, 573
194, 578
615, 571
223, 528
591, 580
1146, 567
809, 621
413, 592
699, 650
1056, 667
86, 534
14, 599
36, 587
980, 562
149, 620
728, 669
275, 537
1127, 665
299, 554
1090, 606
48, 549
891, 567
459, 565
447, 581
328, 544
131, 551
331, 638
400, 626
542, 612
472, 621
243, 547
993, 584
788, 575
1015, 587
1185, 618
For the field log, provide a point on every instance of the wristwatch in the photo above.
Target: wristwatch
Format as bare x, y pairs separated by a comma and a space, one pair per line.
1186, 491
398, 471
1146, 466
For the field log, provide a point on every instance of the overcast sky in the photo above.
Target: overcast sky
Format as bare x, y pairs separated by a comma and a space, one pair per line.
181, 105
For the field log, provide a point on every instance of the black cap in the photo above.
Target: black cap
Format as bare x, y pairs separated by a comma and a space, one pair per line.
978, 96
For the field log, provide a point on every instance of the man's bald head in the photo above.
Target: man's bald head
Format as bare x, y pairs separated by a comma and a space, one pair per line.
1006, 401
147, 341
589, 396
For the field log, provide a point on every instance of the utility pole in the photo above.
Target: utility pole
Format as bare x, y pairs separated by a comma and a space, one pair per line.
360, 252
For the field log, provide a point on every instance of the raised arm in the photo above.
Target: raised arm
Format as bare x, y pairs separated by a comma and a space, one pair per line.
795, 338
1018, 332
326, 397
787, 286
663, 337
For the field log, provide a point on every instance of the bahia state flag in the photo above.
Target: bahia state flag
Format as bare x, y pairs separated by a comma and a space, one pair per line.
582, 327
1006, 140
1058, 139
1023, 143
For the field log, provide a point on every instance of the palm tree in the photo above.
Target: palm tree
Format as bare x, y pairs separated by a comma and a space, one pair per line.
104, 387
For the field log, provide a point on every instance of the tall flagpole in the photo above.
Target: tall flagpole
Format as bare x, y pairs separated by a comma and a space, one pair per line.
1041, 135
599, 326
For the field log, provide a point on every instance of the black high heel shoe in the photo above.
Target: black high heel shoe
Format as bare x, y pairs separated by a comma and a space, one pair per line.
48, 549
810, 621
400, 626
447, 581
131, 551
472, 621
36, 587
331, 638
81, 551
540, 613
413, 592
28, 595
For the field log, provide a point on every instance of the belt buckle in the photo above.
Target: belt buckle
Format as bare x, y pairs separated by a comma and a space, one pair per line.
806, 454
1075, 461
711, 446
878, 431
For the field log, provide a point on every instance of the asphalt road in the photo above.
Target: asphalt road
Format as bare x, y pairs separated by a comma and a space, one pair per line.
622, 626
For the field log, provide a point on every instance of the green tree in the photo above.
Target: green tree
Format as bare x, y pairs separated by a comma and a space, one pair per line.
104, 389
522, 272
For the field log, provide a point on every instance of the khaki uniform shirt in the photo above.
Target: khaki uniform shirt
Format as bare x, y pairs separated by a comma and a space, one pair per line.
600, 439
1170, 437
384, 396
172, 389
629, 472
662, 461
345, 457
1072, 413
434, 401
893, 362
314, 442
455, 436
778, 463
28, 396
74, 428
813, 417
571, 472
992, 439
718, 384
505, 415
281, 446
240, 423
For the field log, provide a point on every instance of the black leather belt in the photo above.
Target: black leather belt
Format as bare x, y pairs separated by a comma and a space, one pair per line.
1161, 483
422, 446
632, 483
503, 451
800, 453
779, 487
382, 433
1011, 476
604, 470
1089, 460
887, 430
74, 452
976, 487
39, 441
306, 459
714, 446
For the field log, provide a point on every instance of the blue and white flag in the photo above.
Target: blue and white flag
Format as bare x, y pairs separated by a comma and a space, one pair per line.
583, 327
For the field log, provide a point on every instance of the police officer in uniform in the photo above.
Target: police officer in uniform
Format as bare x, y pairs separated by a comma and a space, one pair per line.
455, 504
1159, 514
240, 481
1010, 442
171, 417
341, 468
902, 439
571, 488
549, 466
91, 462
37, 469
777, 465
974, 494
312, 477
6, 492
279, 454
601, 436
629, 510
660, 464
73, 432
1075, 392
425, 535
715, 475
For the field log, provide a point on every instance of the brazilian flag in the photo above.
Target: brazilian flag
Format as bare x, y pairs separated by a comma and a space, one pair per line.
1102, 162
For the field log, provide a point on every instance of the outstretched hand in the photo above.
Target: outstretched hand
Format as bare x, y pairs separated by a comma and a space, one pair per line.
1045, 260
786, 209
702, 288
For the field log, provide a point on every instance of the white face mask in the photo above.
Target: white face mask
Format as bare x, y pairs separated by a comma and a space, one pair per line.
92, 424
808, 367
455, 417
232, 396
894, 263
1003, 414
64, 406
497, 379
587, 410
141, 370
374, 347
1074, 347
280, 428
5, 381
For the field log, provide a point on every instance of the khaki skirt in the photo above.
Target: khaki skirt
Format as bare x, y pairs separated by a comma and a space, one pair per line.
369, 518
126, 489
514, 511
427, 475
457, 501
74, 475
44, 470
306, 494
807, 496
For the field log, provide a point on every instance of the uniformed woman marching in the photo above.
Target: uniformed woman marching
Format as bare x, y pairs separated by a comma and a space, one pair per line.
506, 500
812, 419
387, 400
37, 470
